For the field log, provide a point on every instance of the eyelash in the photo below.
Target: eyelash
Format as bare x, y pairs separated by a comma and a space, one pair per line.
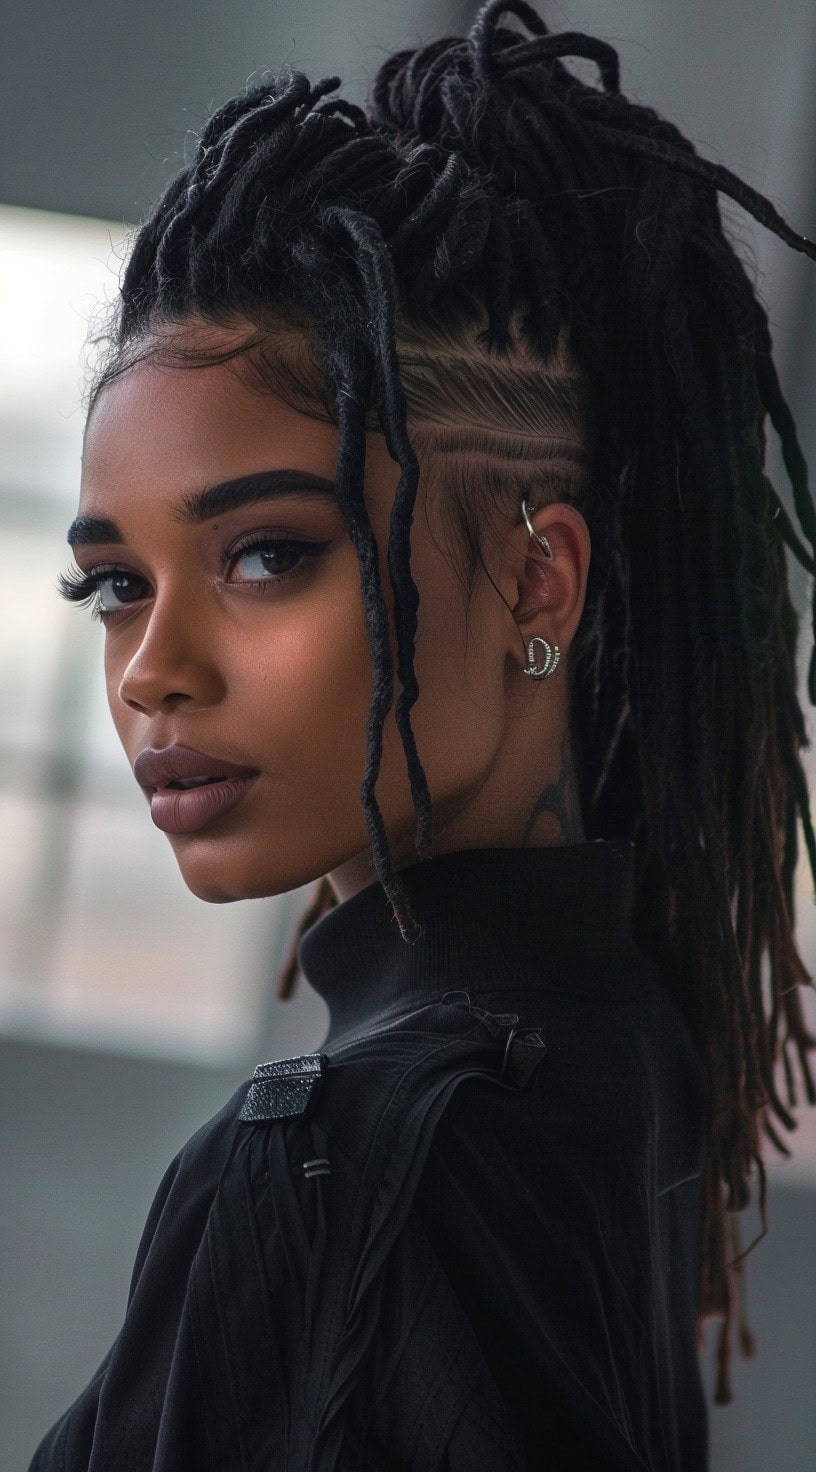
83, 587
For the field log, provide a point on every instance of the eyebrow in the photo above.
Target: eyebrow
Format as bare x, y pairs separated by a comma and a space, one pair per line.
197, 507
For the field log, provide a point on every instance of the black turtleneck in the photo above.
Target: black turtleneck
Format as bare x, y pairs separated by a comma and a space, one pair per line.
495, 1274
494, 920
569, 1220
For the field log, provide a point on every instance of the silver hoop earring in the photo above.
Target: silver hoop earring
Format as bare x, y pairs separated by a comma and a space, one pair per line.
533, 533
552, 654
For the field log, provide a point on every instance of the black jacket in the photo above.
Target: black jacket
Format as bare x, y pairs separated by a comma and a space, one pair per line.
463, 1236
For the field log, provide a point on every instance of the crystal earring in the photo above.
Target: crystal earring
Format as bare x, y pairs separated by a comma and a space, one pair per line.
552, 654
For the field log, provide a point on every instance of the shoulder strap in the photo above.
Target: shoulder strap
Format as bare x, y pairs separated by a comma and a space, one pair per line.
379, 1099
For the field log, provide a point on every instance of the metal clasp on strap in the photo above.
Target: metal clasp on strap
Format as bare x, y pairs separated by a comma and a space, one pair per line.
282, 1088
510, 1036
519, 1062
525, 1057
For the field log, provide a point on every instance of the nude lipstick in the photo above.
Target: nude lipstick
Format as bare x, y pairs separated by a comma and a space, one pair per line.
177, 811
189, 789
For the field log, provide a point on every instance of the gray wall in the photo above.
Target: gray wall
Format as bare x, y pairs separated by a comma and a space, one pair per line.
98, 99
102, 92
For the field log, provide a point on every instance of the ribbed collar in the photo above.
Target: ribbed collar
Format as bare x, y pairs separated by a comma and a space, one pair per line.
495, 920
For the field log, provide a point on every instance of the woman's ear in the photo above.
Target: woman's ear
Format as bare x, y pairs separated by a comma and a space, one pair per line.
547, 595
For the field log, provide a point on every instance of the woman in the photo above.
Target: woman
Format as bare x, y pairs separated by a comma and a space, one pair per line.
480, 389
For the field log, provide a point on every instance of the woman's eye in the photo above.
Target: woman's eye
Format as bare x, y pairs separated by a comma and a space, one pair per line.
270, 558
120, 586
270, 562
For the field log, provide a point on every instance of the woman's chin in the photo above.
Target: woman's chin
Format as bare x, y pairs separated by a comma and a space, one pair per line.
219, 881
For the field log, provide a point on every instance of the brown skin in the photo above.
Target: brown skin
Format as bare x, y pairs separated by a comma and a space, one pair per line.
281, 678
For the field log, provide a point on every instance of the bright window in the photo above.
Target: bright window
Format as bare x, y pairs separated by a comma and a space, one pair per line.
100, 940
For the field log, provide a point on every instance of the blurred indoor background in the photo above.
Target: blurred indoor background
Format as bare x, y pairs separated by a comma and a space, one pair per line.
129, 1009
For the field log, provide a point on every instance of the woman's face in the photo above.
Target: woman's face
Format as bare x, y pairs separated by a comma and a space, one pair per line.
263, 658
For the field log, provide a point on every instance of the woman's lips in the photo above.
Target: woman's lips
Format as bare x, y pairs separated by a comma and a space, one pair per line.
175, 810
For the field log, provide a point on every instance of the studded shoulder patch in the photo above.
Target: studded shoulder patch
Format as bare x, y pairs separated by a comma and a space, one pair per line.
282, 1088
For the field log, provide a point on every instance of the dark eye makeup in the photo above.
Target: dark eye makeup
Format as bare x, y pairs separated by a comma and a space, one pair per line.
83, 588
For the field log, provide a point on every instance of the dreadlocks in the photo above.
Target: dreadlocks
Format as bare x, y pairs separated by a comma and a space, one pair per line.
533, 271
